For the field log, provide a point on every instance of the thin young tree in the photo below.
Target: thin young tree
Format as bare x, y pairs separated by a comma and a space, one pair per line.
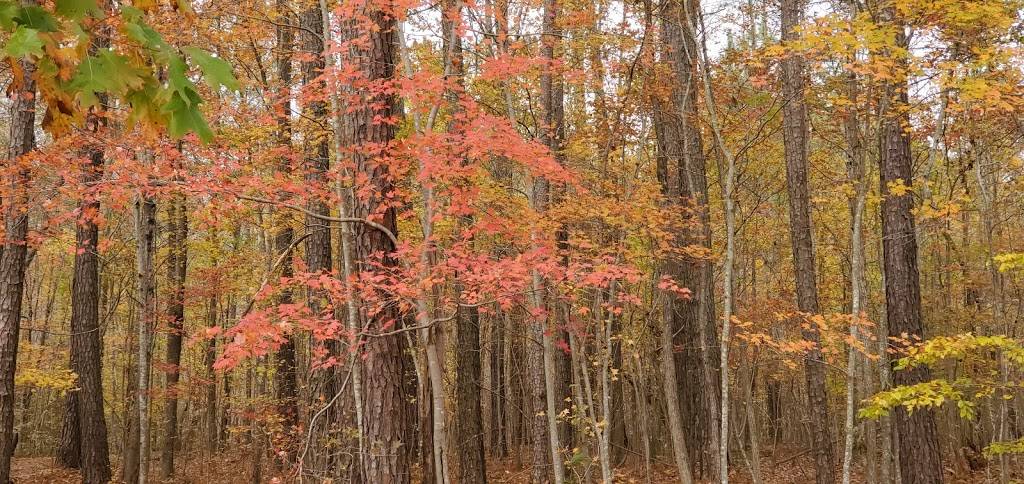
543, 370
145, 289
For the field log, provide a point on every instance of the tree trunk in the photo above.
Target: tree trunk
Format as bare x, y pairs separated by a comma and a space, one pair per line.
697, 365
317, 161
919, 457
145, 301
468, 420
86, 346
794, 135
386, 418
209, 358
671, 392
13, 261
544, 373
177, 264
69, 447
285, 378
855, 168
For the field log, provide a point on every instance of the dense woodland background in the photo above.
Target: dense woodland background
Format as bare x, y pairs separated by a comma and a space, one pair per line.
386, 241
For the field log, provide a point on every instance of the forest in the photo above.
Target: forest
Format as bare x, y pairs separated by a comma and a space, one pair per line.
512, 241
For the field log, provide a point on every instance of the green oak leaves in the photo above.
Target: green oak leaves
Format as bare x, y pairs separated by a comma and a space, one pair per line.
146, 74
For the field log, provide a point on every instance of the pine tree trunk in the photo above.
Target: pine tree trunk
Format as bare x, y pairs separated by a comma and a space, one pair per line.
318, 242
387, 420
84, 427
86, 345
468, 420
13, 261
69, 447
794, 134
920, 460
285, 375
176, 268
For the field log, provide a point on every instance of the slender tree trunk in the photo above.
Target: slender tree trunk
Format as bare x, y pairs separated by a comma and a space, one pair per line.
671, 392
468, 428
856, 168
145, 281
209, 358
794, 135
920, 460
176, 268
285, 377
544, 374
13, 262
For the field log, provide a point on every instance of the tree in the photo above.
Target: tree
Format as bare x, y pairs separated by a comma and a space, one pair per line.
468, 426
919, 458
795, 136
177, 264
13, 261
137, 460
693, 318
285, 376
368, 131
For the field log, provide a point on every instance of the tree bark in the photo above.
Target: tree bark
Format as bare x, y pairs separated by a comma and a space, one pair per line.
317, 163
697, 365
468, 420
86, 345
794, 135
285, 376
544, 373
920, 460
13, 261
145, 281
855, 169
387, 420
176, 268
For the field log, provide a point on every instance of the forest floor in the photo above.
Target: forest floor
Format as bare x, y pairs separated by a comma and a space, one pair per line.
234, 469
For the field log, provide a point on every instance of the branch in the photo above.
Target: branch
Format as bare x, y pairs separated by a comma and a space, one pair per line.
386, 231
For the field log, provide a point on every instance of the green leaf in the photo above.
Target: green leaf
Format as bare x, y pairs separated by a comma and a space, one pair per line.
23, 42
145, 105
216, 71
75, 9
8, 10
36, 18
106, 72
183, 110
178, 81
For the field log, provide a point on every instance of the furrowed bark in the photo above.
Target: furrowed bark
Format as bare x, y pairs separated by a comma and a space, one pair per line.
795, 139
